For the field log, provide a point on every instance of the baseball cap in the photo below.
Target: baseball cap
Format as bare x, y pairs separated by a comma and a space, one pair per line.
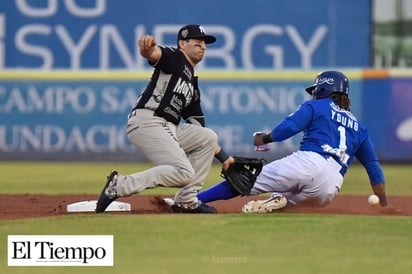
194, 31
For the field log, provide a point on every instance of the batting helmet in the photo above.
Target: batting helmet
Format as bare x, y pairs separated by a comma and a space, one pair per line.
328, 82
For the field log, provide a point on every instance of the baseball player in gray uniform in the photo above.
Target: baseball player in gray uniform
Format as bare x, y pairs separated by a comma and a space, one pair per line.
182, 153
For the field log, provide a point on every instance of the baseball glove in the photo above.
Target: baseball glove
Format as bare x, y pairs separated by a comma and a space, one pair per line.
241, 175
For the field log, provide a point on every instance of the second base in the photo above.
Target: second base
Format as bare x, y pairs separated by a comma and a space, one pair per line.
90, 206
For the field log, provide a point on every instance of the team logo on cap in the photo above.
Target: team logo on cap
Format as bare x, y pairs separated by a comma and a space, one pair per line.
202, 29
326, 80
184, 33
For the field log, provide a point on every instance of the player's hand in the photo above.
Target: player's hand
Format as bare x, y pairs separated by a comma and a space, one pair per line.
391, 210
258, 138
146, 42
228, 162
148, 48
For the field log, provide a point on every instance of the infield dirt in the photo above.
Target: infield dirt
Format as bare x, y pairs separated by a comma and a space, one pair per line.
34, 206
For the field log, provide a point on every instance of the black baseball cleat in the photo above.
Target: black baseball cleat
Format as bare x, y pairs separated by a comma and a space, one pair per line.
108, 194
193, 207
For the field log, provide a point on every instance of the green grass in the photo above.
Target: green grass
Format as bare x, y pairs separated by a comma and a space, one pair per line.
226, 243
71, 178
235, 243
398, 180
88, 178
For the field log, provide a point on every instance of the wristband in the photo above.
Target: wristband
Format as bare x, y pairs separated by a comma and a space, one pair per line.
222, 156
267, 139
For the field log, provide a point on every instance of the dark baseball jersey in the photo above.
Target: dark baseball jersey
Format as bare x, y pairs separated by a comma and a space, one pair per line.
172, 92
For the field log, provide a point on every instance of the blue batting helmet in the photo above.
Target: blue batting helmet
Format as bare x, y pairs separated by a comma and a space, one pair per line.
328, 82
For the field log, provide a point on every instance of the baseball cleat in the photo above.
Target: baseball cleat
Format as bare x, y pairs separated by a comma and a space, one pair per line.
108, 194
169, 201
193, 207
275, 202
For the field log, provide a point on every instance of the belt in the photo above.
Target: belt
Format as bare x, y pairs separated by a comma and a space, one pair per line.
134, 113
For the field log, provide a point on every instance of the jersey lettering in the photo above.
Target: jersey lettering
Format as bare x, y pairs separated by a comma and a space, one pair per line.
171, 92
185, 89
344, 120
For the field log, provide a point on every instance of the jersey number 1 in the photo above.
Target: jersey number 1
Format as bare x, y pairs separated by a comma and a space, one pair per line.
341, 153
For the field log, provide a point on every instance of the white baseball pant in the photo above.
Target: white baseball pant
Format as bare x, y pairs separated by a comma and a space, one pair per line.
301, 176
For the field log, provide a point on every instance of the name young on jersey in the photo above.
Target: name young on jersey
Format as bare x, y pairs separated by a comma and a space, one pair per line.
343, 117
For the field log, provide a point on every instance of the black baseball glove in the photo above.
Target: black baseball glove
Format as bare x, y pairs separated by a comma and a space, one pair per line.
241, 175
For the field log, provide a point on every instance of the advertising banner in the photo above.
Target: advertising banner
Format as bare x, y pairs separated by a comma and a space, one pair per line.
388, 114
260, 34
79, 119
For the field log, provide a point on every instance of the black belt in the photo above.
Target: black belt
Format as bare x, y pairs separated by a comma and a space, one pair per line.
133, 113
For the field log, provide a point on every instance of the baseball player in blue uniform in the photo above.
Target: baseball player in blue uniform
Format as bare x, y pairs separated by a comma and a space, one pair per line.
332, 138
182, 153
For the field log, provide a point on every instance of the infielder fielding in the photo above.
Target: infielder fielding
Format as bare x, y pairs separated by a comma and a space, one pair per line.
332, 138
182, 153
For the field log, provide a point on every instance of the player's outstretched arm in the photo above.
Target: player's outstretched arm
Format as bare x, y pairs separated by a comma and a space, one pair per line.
379, 190
148, 48
367, 157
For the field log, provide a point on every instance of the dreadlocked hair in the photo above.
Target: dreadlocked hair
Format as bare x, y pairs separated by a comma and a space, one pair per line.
342, 99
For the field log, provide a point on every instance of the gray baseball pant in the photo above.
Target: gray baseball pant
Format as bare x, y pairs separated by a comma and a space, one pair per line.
182, 156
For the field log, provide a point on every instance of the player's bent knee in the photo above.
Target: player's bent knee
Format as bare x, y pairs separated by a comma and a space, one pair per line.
185, 176
210, 137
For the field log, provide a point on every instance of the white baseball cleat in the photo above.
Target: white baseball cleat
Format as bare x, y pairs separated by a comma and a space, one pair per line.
275, 202
169, 201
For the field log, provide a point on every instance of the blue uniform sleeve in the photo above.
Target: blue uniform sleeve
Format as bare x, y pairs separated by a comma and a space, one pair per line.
367, 157
293, 124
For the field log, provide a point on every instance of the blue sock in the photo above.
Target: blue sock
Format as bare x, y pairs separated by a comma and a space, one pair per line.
221, 191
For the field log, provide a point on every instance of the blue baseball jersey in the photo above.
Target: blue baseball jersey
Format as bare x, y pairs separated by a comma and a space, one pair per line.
331, 131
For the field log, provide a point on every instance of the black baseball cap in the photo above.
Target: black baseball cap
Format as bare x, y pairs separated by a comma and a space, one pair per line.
194, 31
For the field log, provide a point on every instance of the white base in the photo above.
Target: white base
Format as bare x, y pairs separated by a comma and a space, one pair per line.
169, 201
90, 206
